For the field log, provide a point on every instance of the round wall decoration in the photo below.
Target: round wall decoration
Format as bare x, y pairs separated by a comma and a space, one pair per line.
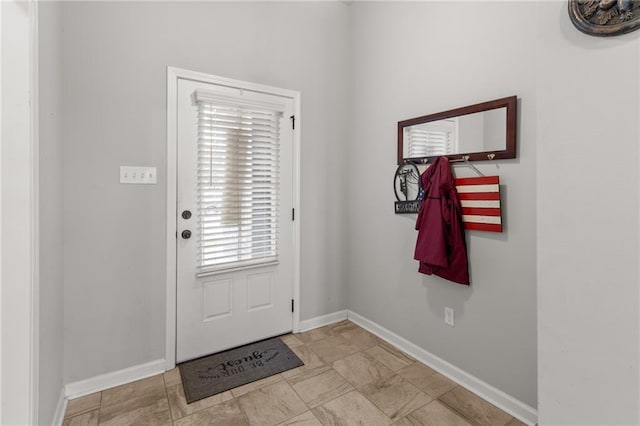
406, 182
605, 17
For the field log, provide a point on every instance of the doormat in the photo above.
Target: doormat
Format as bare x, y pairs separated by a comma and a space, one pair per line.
226, 370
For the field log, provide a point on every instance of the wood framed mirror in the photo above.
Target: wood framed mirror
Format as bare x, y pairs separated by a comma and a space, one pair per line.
484, 131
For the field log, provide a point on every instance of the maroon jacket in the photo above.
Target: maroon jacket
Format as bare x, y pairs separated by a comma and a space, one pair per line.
441, 248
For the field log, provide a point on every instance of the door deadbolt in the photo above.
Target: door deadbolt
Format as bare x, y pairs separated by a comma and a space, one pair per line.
186, 234
186, 214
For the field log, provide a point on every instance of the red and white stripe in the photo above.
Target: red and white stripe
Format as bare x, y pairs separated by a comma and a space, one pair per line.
480, 199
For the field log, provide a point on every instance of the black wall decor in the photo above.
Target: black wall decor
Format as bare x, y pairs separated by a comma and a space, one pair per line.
605, 17
406, 185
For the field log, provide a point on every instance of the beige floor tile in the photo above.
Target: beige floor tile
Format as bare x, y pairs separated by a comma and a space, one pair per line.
321, 388
291, 340
304, 419
390, 357
337, 358
241, 390
312, 365
332, 348
391, 347
224, 414
395, 396
313, 335
341, 327
272, 404
361, 338
83, 404
474, 408
350, 409
516, 422
427, 379
86, 419
152, 387
433, 414
172, 377
360, 369
180, 408
141, 411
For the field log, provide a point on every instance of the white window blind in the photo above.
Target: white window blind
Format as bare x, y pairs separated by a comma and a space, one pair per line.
431, 139
238, 182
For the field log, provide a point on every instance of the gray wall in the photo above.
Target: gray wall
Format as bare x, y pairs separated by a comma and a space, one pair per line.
570, 210
114, 69
588, 215
51, 222
411, 59
570, 201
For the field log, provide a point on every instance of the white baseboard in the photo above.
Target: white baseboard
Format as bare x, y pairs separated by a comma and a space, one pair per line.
323, 320
58, 416
116, 378
516, 408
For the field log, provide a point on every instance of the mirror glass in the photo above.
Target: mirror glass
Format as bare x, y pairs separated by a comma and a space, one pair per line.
482, 132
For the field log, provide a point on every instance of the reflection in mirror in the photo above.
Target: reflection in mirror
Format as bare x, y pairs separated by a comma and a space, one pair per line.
483, 131
431, 139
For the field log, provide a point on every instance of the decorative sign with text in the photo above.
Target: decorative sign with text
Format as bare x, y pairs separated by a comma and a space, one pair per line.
406, 185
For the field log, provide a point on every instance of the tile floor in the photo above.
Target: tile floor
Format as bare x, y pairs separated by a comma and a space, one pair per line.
350, 377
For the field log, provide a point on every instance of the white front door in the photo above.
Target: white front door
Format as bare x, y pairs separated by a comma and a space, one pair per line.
234, 217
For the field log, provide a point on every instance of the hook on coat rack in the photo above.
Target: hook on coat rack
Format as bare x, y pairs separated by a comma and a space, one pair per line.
464, 161
417, 162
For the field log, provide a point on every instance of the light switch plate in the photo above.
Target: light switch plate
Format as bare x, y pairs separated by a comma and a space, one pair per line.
138, 175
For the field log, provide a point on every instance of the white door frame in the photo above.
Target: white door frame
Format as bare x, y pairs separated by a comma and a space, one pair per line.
19, 267
173, 74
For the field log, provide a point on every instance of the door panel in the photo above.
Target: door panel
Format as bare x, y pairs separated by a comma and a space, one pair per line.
223, 309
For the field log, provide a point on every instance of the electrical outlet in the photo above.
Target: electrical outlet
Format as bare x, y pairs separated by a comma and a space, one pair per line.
449, 317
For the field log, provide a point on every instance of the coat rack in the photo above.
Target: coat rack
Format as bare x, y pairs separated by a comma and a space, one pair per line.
479, 196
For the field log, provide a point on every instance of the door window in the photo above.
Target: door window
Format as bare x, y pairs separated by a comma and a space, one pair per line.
238, 183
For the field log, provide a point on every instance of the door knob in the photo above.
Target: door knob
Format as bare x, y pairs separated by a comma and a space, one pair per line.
186, 214
186, 234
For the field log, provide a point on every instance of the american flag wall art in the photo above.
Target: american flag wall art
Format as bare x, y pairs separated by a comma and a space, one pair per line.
480, 199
